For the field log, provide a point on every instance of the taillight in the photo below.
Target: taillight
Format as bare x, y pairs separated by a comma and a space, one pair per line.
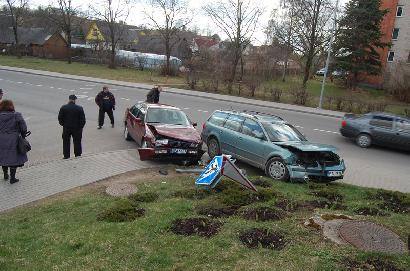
344, 123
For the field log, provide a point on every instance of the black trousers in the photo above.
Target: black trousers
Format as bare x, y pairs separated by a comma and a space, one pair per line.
77, 135
101, 116
12, 171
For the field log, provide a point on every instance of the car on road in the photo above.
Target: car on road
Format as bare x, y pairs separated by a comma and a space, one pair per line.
377, 128
271, 144
321, 72
339, 73
162, 132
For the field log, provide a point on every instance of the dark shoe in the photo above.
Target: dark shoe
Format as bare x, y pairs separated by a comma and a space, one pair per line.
99, 127
112, 125
6, 176
66, 158
14, 180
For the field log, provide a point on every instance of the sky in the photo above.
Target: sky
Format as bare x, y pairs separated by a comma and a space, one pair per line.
200, 21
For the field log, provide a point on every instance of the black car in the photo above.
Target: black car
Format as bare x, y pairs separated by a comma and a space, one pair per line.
377, 128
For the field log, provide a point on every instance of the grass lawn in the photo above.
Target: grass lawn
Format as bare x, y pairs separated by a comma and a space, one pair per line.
73, 232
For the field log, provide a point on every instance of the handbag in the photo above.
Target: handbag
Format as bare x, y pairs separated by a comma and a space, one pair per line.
23, 146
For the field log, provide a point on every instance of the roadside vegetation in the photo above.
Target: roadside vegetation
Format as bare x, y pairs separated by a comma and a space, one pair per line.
337, 97
169, 225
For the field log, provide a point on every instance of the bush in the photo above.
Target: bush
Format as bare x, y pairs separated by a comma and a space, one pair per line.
398, 82
276, 94
144, 197
122, 211
300, 96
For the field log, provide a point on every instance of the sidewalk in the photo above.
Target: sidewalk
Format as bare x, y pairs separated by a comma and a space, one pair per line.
213, 96
43, 180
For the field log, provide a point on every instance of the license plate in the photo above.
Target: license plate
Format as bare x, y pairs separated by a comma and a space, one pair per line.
178, 151
337, 173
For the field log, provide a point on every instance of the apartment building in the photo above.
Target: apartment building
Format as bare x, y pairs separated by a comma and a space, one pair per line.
396, 30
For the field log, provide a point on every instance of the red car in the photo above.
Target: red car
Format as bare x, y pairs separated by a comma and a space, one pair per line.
162, 131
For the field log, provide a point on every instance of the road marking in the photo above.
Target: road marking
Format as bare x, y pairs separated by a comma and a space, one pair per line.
72, 90
81, 96
60, 88
19, 82
300, 127
205, 111
89, 99
86, 88
39, 85
1, 79
325, 131
51, 87
127, 99
186, 108
90, 85
85, 92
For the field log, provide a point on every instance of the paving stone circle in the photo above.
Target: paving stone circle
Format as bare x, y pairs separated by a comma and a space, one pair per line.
121, 189
369, 236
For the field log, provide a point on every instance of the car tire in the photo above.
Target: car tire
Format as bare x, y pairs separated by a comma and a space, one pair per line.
276, 169
213, 148
127, 135
364, 140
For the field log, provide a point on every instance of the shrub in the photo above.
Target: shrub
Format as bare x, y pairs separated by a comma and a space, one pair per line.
122, 211
144, 197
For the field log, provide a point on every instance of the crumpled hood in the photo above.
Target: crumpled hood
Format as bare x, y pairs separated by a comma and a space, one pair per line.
184, 133
307, 146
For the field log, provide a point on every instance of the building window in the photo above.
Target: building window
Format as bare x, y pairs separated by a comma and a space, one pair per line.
399, 12
390, 58
395, 33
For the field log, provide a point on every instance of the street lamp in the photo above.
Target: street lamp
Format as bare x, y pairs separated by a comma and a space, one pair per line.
328, 54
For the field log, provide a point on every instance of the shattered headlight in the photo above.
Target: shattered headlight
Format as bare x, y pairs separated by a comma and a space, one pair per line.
161, 142
193, 145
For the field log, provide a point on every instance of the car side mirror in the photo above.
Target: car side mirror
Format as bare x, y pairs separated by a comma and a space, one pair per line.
195, 124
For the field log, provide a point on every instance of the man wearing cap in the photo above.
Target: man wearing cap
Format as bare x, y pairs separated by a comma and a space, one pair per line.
72, 118
106, 103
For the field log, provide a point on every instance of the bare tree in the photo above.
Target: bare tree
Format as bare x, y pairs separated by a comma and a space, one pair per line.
304, 29
16, 9
113, 14
63, 16
238, 20
169, 17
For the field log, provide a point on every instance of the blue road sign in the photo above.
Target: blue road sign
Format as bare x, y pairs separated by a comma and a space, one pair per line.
212, 172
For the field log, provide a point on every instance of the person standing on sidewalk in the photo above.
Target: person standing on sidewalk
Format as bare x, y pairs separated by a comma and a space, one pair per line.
106, 102
12, 126
1, 94
153, 95
72, 118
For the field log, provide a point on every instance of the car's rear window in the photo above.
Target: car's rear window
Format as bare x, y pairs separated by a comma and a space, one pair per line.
218, 118
382, 121
282, 132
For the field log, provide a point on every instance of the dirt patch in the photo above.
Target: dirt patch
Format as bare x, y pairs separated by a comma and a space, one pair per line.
123, 211
262, 183
214, 211
287, 205
264, 214
255, 237
329, 194
144, 197
192, 193
196, 226
370, 264
393, 201
370, 211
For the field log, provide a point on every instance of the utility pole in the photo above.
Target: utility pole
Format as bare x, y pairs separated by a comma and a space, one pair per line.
328, 54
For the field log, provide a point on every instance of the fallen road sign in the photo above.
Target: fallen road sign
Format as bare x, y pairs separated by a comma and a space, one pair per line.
223, 166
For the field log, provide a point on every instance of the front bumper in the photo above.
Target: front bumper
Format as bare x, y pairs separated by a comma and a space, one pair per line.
169, 154
327, 173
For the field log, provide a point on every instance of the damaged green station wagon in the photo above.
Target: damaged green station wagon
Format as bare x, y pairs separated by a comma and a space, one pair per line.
270, 143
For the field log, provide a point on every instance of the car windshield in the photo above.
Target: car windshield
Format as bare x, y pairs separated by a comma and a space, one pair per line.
282, 132
167, 116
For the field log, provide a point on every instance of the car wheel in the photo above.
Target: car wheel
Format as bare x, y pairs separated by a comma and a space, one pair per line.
276, 169
364, 140
213, 148
127, 135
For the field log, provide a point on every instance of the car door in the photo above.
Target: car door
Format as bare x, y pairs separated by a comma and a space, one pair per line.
381, 128
140, 124
230, 133
403, 133
252, 143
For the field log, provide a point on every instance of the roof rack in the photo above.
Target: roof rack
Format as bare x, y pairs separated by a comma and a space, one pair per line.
252, 112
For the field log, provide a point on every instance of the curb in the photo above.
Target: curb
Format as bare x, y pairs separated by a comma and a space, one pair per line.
101, 80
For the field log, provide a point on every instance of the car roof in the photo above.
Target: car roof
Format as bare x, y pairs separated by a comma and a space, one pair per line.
384, 114
260, 116
163, 106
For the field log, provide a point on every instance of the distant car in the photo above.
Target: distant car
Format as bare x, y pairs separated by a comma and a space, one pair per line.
339, 73
270, 143
321, 72
377, 128
163, 132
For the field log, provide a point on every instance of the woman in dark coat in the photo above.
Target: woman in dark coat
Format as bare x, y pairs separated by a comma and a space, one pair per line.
12, 125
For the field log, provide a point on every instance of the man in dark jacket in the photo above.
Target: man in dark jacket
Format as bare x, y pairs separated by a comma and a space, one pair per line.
1, 94
153, 95
106, 102
72, 118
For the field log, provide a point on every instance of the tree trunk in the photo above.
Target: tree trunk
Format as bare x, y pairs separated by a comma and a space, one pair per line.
233, 71
168, 55
307, 71
16, 40
69, 47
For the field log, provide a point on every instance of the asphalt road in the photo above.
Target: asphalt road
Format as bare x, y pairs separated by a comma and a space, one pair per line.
39, 98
